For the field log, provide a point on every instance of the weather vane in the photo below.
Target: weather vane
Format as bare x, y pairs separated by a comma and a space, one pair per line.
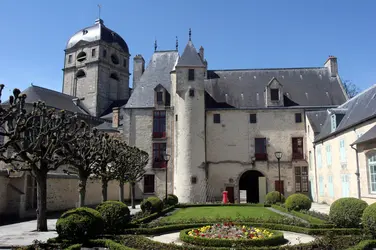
99, 11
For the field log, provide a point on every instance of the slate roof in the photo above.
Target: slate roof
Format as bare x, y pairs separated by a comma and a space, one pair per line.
107, 127
359, 109
301, 86
368, 136
157, 72
317, 119
52, 98
190, 57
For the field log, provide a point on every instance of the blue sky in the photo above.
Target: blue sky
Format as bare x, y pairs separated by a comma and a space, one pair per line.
235, 34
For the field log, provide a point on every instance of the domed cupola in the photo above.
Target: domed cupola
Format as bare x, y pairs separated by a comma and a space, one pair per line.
96, 32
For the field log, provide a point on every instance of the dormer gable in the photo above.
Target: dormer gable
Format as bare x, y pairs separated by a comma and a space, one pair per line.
336, 116
274, 93
161, 96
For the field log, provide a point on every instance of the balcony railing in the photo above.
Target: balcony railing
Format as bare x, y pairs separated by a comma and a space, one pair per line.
159, 134
261, 156
159, 164
297, 156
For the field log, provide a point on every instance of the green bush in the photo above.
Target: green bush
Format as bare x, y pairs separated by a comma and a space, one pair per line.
298, 202
273, 198
80, 224
152, 205
347, 212
116, 216
172, 200
369, 220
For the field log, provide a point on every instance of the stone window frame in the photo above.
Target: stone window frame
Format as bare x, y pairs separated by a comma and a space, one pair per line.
301, 178
298, 118
80, 73
217, 118
191, 74
69, 58
81, 56
253, 118
371, 163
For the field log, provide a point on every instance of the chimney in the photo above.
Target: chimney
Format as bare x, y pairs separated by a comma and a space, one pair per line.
331, 64
138, 69
115, 117
201, 52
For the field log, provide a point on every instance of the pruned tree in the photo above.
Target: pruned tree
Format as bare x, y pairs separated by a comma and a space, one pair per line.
105, 167
120, 167
350, 88
84, 151
35, 141
135, 161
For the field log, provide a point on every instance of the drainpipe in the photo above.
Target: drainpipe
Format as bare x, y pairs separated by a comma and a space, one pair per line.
317, 189
357, 173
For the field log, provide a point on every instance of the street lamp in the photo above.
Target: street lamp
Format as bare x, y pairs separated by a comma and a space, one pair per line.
278, 155
166, 158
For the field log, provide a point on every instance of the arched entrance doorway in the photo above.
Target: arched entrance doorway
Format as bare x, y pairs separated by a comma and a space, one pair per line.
251, 181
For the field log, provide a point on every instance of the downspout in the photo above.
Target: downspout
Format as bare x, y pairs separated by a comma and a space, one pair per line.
357, 173
317, 189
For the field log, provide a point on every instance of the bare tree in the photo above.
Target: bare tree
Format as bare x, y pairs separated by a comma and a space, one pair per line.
350, 88
84, 151
104, 167
35, 141
135, 163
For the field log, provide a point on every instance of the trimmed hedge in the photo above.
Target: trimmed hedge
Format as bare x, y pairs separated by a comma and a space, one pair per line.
369, 220
110, 244
185, 205
80, 224
116, 216
152, 205
298, 202
275, 240
310, 219
172, 200
364, 244
154, 216
273, 198
305, 230
347, 212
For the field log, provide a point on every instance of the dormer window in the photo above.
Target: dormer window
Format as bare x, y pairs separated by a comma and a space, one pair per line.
274, 94
333, 122
159, 97
191, 74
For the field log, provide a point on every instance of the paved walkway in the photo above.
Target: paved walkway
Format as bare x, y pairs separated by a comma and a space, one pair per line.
293, 238
23, 234
322, 208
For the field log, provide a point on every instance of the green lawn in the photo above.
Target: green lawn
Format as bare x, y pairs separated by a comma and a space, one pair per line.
208, 213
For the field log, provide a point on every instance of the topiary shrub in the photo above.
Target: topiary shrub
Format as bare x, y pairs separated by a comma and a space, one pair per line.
115, 214
152, 204
298, 202
369, 220
80, 224
273, 198
347, 212
172, 200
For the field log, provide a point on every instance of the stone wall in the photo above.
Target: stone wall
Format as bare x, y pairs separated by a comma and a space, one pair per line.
62, 192
4, 180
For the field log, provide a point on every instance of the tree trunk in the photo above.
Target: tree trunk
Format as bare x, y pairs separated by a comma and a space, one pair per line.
121, 191
41, 178
104, 189
133, 195
82, 191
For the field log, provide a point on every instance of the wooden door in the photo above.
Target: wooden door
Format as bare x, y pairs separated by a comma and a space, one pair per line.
262, 189
279, 187
230, 194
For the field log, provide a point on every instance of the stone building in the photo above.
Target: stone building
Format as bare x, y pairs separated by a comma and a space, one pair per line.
341, 144
222, 128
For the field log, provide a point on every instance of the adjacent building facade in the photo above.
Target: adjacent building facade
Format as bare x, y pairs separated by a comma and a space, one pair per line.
342, 149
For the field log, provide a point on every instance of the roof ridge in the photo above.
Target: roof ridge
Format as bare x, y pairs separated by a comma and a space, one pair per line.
268, 69
51, 90
357, 96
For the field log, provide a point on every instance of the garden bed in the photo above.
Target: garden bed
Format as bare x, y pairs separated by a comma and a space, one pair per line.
230, 235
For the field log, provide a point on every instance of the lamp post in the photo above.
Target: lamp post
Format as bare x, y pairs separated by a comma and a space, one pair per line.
278, 155
166, 158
